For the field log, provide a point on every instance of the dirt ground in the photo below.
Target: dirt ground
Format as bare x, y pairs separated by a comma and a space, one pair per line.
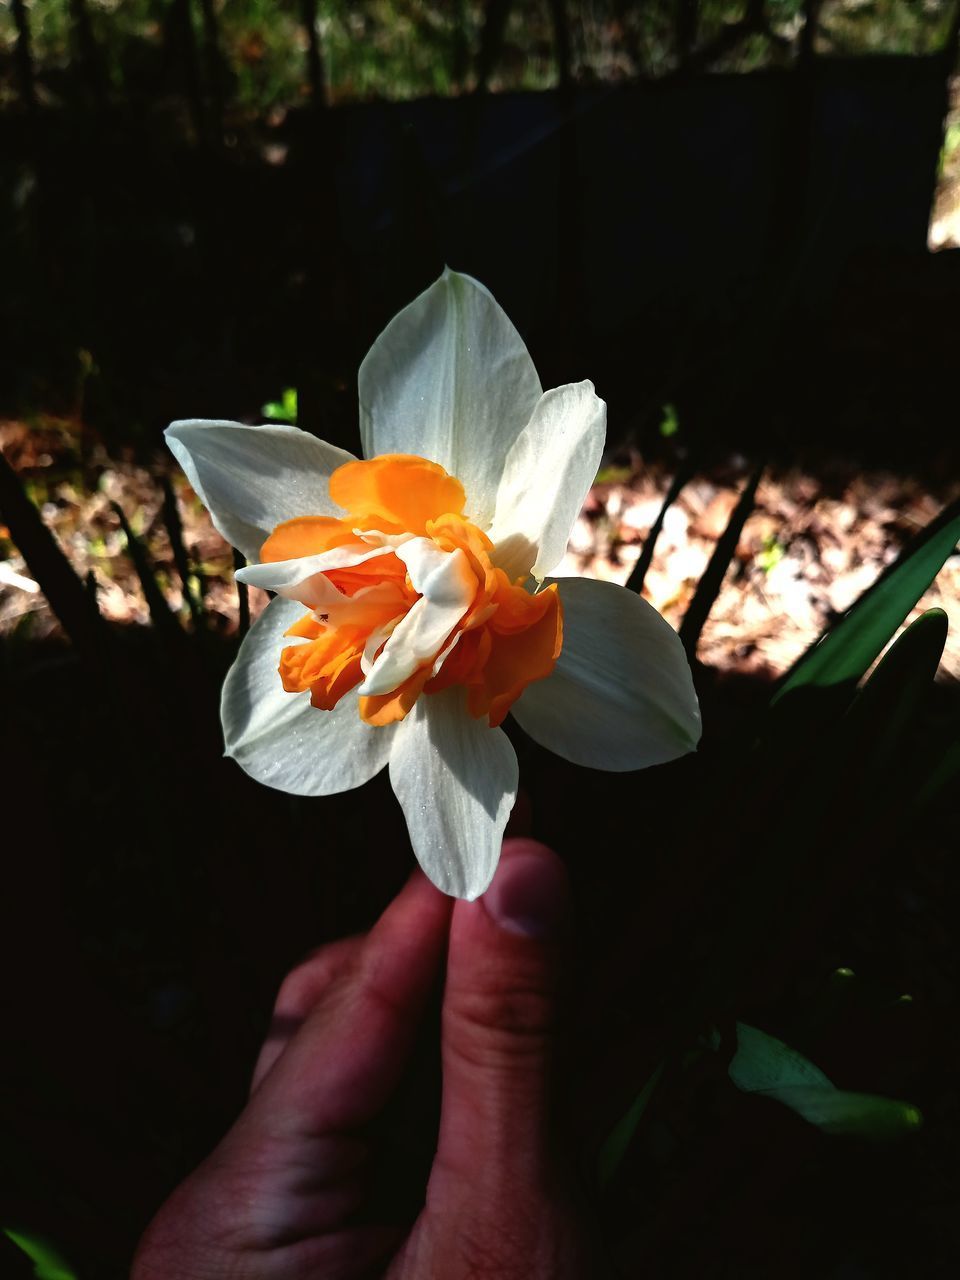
810, 547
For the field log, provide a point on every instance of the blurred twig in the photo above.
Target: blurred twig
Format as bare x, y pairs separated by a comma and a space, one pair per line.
561, 37
491, 41
171, 518
641, 568
67, 595
181, 46
213, 58
687, 26
163, 618
88, 55
315, 76
708, 588
23, 54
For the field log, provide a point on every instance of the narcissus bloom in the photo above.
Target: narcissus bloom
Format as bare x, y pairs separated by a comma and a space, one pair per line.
413, 611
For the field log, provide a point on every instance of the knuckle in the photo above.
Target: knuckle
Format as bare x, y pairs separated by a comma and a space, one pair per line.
484, 1259
297, 987
513, 1251
511, 1019
304, 986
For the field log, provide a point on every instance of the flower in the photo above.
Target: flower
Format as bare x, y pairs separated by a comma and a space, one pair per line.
413, 609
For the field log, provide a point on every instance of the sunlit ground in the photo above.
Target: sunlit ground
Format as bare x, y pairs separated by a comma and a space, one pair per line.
807, 551
944, 232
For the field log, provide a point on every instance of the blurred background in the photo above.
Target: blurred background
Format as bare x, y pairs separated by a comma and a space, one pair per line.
741, 220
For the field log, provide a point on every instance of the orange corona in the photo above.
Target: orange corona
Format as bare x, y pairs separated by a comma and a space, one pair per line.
501, 640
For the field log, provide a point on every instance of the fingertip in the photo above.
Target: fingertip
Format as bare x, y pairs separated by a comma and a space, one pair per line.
404, 949
420, 894
514, 845
530, 893
520, 822
504, 973
419, 897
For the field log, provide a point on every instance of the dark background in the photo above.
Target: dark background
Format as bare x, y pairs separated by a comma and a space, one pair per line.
712, 213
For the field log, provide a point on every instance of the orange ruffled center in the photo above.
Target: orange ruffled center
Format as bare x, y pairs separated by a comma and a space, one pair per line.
412, 603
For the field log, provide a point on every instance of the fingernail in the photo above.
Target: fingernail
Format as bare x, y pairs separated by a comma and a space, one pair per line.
530, 894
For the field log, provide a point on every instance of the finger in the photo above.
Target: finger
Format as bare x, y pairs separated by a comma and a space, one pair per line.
520, 822
499, 1010
341, 1066
301, 991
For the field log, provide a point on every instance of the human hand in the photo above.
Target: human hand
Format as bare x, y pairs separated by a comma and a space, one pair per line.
281, 1198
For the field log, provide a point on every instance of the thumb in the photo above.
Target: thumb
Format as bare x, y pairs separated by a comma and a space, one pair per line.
499, 1011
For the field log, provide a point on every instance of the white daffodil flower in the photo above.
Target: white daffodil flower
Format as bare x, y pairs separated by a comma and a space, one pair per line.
413, 609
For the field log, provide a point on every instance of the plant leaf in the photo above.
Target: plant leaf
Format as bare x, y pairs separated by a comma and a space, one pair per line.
47, 1262
843, 655
763, 1064
873, 730
943, 774
766, 1066
621, 1135
852, 1114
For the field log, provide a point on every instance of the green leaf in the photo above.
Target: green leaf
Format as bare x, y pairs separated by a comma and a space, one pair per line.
618, 1140
284, 409
945, 773
860, 1115
670, 423
770, 555
612, 475
843, 655
908, 666
766, 1066
763, 1064
47, 1262
882, 710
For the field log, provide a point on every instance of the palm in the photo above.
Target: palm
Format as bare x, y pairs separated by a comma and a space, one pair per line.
283, 1195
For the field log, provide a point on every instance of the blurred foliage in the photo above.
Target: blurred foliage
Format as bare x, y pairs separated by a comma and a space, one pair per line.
671, 422
47, 1262
884, 26
853, 752
411, 48
790, 828
767, 1067
190, 927
951, 146
284, 409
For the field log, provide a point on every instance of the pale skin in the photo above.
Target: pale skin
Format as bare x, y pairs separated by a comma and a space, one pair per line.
281, 1197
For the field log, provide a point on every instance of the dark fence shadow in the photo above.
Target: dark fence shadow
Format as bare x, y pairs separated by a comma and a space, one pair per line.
749, 248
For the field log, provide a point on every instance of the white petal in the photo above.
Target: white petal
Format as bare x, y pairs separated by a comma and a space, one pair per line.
450, 379
278, 737
456, 780
621, 695
252, 478
375, 538
546, 477
447, 586
292, 577
375, 641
